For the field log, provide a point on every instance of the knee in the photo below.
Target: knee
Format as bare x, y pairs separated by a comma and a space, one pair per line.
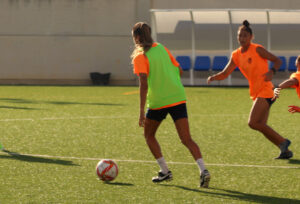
254, 125
250, 124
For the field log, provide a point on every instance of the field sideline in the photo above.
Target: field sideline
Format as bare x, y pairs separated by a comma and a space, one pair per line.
55, 135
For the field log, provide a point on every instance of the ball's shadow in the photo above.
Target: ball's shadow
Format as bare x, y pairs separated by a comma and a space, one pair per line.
118, 183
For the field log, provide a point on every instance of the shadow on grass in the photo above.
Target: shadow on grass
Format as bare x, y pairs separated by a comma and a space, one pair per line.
294, 161
28, 158
118, 184
19, 108
25, 101
236, 195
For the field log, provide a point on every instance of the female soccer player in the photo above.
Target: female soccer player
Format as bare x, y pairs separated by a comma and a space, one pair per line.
252, 60
161, 88
294, 82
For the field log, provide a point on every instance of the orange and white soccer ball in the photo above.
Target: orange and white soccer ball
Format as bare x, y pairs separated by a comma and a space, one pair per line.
107, 170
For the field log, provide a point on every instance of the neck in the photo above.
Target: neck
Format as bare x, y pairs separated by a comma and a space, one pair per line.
245, 48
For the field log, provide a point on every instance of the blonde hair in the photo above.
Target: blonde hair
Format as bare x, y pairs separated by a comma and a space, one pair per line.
141, 33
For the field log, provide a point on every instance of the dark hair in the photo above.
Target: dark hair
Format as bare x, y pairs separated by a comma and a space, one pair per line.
246, 27
141, 32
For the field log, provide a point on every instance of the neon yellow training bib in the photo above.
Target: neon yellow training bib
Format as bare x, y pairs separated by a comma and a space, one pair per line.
164, 84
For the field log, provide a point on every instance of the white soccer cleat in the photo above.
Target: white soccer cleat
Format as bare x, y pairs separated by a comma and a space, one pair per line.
162, 177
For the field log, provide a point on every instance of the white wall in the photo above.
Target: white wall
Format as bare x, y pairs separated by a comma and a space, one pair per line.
62, 41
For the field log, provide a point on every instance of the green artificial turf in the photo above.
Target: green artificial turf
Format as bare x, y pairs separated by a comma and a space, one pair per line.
55, 136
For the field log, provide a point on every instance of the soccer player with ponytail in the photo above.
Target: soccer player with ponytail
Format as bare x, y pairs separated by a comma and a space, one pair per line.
252, 60
162, 92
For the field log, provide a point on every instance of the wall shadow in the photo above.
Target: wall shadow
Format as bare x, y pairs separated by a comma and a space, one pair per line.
29, 158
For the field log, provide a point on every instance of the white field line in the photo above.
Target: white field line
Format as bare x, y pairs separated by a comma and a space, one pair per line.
70, 118
145, 161
108, 117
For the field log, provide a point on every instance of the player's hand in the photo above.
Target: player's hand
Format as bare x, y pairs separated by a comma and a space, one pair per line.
276, 93
294, 109
142, 120
209, 79
268, 76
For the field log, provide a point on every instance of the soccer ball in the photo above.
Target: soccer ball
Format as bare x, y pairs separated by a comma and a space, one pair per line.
107, 170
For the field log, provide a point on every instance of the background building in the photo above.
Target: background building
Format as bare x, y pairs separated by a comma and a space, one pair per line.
62, 41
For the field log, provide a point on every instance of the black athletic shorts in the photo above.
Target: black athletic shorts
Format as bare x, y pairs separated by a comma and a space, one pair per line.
269, 100
176, 112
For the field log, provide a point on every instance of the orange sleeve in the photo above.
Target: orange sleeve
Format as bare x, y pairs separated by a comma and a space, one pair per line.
297, 87
234, 57
140, 64
173, 60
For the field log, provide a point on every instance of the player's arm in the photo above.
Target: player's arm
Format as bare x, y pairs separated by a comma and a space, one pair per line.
286, 84
143, 95
224, 73
269, 56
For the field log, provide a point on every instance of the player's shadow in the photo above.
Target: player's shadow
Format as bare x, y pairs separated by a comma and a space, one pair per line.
26, 101
236, 195
18, 108
30, 158
118, 184
294, 161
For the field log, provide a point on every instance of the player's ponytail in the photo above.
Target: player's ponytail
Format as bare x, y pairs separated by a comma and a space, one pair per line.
141, 33
246, 23
246, 27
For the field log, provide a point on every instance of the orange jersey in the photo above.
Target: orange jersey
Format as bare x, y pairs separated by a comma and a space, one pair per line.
296, 75
141, 65
253, 67
141, 62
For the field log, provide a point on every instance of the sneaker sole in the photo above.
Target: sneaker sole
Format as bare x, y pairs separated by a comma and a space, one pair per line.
206, 182
166, 180
291, 154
